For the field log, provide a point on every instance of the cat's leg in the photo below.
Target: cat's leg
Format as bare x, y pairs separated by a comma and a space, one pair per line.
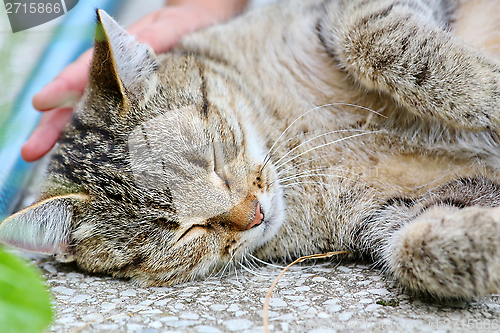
446, 246
448, 252
403, 48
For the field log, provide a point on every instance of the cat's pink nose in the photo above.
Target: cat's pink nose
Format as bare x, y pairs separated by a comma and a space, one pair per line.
243, 216
259, 216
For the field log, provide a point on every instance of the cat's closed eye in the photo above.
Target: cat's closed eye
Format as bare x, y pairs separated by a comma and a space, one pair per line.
193, 232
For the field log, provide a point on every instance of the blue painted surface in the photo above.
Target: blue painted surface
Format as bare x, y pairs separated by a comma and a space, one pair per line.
73, 36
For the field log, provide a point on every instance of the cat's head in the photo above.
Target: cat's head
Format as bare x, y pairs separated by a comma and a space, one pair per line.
160, 176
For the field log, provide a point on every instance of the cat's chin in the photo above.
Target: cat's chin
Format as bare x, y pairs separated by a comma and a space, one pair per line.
273, 208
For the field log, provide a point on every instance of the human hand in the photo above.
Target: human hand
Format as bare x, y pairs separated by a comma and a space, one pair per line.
161, 29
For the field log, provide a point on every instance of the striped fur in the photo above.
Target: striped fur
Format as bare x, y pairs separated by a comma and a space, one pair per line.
363, 125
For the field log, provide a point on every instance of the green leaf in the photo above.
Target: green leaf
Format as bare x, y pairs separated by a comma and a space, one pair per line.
24, 301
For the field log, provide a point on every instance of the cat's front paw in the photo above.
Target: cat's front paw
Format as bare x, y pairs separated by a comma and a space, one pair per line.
449, 253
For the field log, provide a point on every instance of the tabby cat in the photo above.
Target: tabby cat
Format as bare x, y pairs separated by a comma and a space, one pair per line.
308, 126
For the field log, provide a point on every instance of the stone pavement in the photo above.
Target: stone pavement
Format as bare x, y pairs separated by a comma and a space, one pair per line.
320, 297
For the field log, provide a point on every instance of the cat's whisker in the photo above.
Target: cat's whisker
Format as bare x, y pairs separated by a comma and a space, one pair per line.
214, 272
315, 109
311, 175
337, 170
248, 269
303, 173
251, 263
229, 263
251, 268
270, 152
209, 275
279, 177
317, 137
266, 160
236, 271
268, 155
324, 145
279, 166
265, 262
221, 272
297, 166
290, 139
292, 176
312, 172
254, 272
308, 182
361, 107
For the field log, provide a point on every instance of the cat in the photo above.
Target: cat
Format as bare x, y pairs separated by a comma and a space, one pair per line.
295, 129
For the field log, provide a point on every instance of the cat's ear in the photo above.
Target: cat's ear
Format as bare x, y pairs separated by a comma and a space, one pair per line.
44, 227
121, 67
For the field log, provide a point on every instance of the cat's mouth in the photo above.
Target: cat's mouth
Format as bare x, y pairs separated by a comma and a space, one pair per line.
258, 217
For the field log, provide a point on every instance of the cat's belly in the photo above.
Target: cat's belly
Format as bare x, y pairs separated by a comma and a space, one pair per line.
415, 175
386, 165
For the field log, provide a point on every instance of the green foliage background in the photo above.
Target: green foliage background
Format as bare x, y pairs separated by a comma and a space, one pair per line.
25, 305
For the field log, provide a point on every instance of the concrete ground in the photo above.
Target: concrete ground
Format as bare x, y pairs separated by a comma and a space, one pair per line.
319, 297
322, 297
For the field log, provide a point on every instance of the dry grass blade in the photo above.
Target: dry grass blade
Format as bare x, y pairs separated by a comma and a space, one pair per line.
301, 259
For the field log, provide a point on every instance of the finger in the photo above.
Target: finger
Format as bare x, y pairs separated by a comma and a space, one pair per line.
143, 22
46, 134
164, 28
169, 28
67, 87
160, 42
